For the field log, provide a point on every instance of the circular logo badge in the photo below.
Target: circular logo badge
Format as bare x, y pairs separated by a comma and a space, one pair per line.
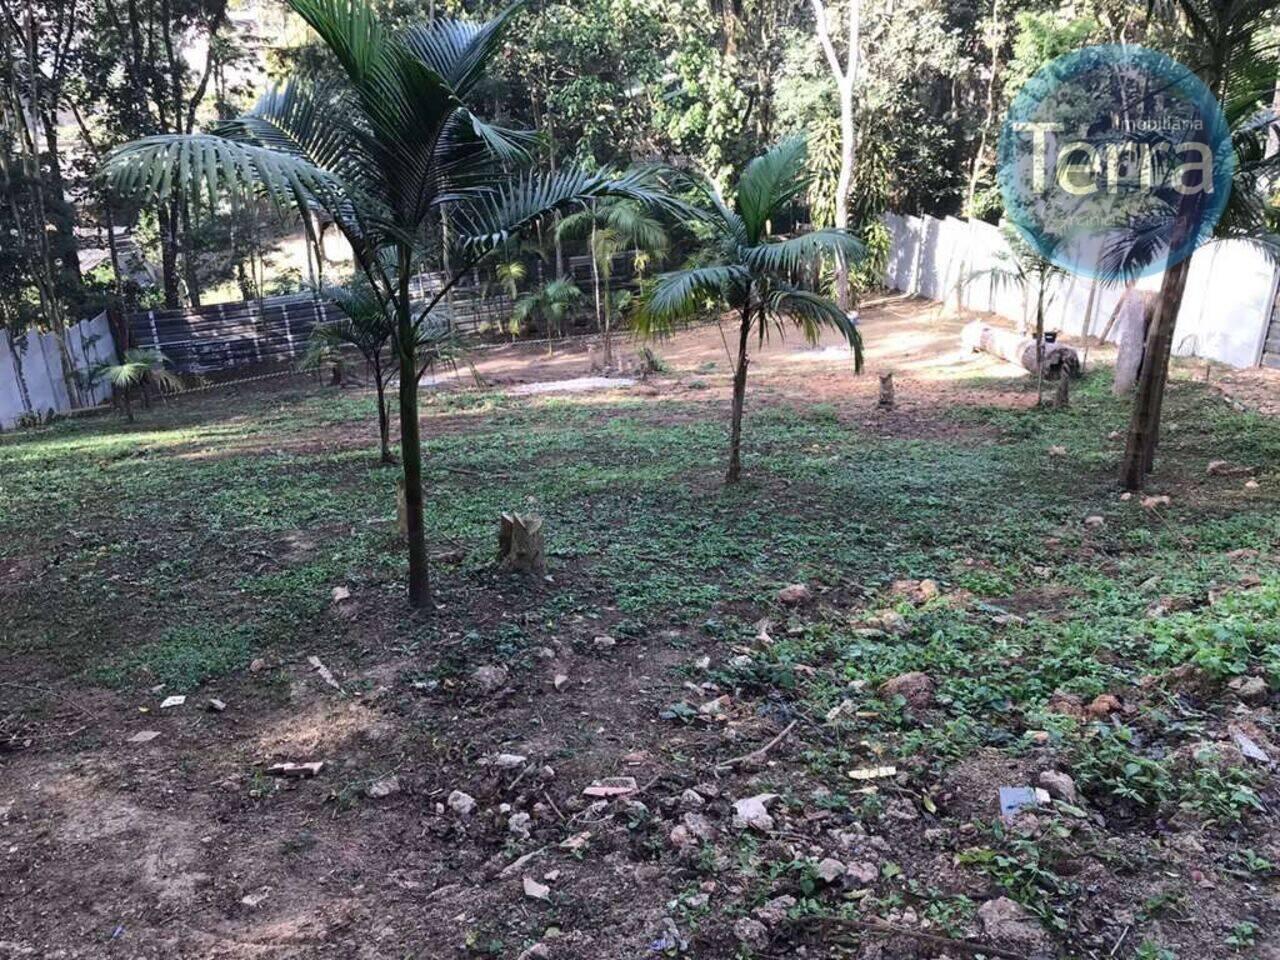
1115, 161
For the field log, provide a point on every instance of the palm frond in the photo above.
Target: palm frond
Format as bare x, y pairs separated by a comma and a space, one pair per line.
769, 183
458, 50
681, 294
804, 252
812, 312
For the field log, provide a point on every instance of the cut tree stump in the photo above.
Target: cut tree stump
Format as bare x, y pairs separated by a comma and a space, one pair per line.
886, 391
1017, 348
520, 545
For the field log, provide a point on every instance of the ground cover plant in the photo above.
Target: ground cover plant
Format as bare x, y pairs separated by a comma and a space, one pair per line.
980, 609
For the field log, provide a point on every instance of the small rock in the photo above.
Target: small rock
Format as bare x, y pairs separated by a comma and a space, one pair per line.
699, 826
753, 812
829, 870
1094, 520
560, 681
775, 911
927, 590
1005, 921
175, 701
463, 804
1039, 737
539, 951
255, 900
1249, 689
1059, 786
535, 890
505, 761
490, 678
915, 687
257, 665
144, 736
1159, 500
611, 787
751, 933
1057, 451
386, 787
1251, 484
297, 770
680, 836
518, 824
794, 594
1103, 705
863, 871
216, 705
604, 643
1225, 468
692, 800
340, 594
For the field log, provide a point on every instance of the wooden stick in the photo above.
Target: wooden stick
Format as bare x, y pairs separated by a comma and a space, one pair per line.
883, 926
754, 754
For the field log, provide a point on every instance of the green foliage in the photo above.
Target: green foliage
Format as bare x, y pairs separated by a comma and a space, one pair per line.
183, 657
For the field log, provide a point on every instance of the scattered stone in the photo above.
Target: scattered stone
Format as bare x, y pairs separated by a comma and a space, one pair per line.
325, 673
576, 842
829, 870
916, 688
611, 787
257, 665
1103, 705
560, 681
1094, 521
1005, 921
1251, 484
928, 589
518, 824
255, 900
604, 643
752, 812
340, 594
490, 678
505, 761
1249, 689
296, 770
692, 800
1039, 737
775, 911
1248, 746
794, 594
1068, 704
144, 736
1127, 496
1057, 451
175, 701
699, 826
863, 871
751, 933
383, 788
1159, 500
463, 804
535, 890
715, 708
702, 663
1059, 786
539, 951
216, 705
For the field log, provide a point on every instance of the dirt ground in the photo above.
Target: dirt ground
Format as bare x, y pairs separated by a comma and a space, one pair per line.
459, 810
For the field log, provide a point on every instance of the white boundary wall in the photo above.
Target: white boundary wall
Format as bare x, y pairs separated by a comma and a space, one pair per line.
1225, 310
39, 366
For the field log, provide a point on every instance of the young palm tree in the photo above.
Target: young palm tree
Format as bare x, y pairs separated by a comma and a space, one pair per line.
611, 228
549, 304
380, 153
748, 270
139, 371
1227, 45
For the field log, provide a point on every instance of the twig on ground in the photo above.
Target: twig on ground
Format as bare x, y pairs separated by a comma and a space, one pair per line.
756, 754
883, 926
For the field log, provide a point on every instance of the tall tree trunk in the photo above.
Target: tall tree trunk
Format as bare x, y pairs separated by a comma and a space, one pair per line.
411, 443
739, 399
168, 254
1144, 422
845, 76
384, 423
995, 32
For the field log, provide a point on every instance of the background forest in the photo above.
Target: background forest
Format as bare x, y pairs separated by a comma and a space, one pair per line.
702, 85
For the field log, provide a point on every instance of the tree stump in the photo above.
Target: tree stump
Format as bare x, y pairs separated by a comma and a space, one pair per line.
886, 391
520, 545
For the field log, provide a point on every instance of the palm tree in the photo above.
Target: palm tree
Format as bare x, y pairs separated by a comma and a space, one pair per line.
611, 228
549, 304
1223, 43
380, 153
747, 269
140, 371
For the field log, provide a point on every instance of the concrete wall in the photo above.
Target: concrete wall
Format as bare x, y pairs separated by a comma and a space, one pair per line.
31, 380
1224, 314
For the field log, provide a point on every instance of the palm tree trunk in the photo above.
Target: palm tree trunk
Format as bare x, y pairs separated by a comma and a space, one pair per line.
739, 400
411, 445
384, 416
1144, 423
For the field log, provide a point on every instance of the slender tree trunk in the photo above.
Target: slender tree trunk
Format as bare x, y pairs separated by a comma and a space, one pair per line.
1144, 423
739, 399
411, 444
996, 34
846, 76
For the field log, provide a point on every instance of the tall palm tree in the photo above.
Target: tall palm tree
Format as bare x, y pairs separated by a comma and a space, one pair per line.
140, 370
380, 153
549, 304
1228, 44
748, 270
611, 228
